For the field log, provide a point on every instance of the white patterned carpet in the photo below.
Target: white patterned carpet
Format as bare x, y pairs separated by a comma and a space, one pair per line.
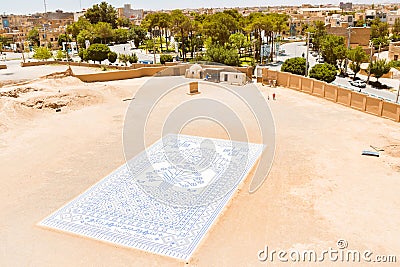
164, 200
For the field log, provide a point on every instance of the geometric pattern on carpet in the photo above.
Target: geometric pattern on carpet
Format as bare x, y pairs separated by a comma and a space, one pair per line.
164, 200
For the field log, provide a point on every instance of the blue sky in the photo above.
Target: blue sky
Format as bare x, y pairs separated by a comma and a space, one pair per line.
33, 6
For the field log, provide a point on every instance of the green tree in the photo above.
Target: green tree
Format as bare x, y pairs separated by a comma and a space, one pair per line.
121, 36
60, 55
221, 54
357, 56
123, 58
379, 68
180, 26
279, 22
102, 13
104, 31
75, 28
150, 45
123, 22
396, 28
138, 35
257, 23
380, 42
112, 57
379, 29
165, 58
83, 36
83, 54
133, 58
395, 64
219, 27
5, 41
324, 72
150, 23
296, 65
333, 49
238, 41
318, 31
33, 37
164, 23
42, 53
63, 38
98, 52
360, 23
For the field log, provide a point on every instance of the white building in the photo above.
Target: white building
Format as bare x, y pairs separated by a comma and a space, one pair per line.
79, 14
318, 11
392, 16
128, 12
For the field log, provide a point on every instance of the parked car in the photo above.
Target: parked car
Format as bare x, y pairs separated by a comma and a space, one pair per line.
321, 60
358, 83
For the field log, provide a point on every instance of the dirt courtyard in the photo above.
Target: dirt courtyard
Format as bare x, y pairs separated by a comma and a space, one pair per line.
320, 188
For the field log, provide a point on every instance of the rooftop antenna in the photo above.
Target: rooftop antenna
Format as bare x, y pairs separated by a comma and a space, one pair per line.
45, 6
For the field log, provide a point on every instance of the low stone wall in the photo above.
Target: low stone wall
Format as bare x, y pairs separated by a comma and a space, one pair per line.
85, 64
176, 68
334, 93
120, 75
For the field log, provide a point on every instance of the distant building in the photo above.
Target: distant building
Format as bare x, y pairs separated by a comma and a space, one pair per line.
392, 16
50, 25
372, 14
359, 36
346, 6
4, 23
59, 15
128, 12
394, 51
318, 11
337, 20
79, 14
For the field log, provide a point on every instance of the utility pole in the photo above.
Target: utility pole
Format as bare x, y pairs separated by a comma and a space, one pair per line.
379, 50
348, 47
371, 46
308, 51
398, 93
22, 50
45, 6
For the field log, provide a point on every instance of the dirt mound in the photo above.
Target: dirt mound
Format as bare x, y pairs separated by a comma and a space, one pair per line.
20, 103
74, 99
56, 84
11, 82
15, 93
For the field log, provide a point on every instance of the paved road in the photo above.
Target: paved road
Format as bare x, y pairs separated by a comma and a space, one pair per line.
296, 49
380, 93
15, 72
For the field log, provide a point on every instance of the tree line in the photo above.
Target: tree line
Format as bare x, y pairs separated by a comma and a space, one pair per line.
229, 37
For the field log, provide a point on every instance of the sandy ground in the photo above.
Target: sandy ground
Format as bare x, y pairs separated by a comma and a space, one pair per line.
320, 188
